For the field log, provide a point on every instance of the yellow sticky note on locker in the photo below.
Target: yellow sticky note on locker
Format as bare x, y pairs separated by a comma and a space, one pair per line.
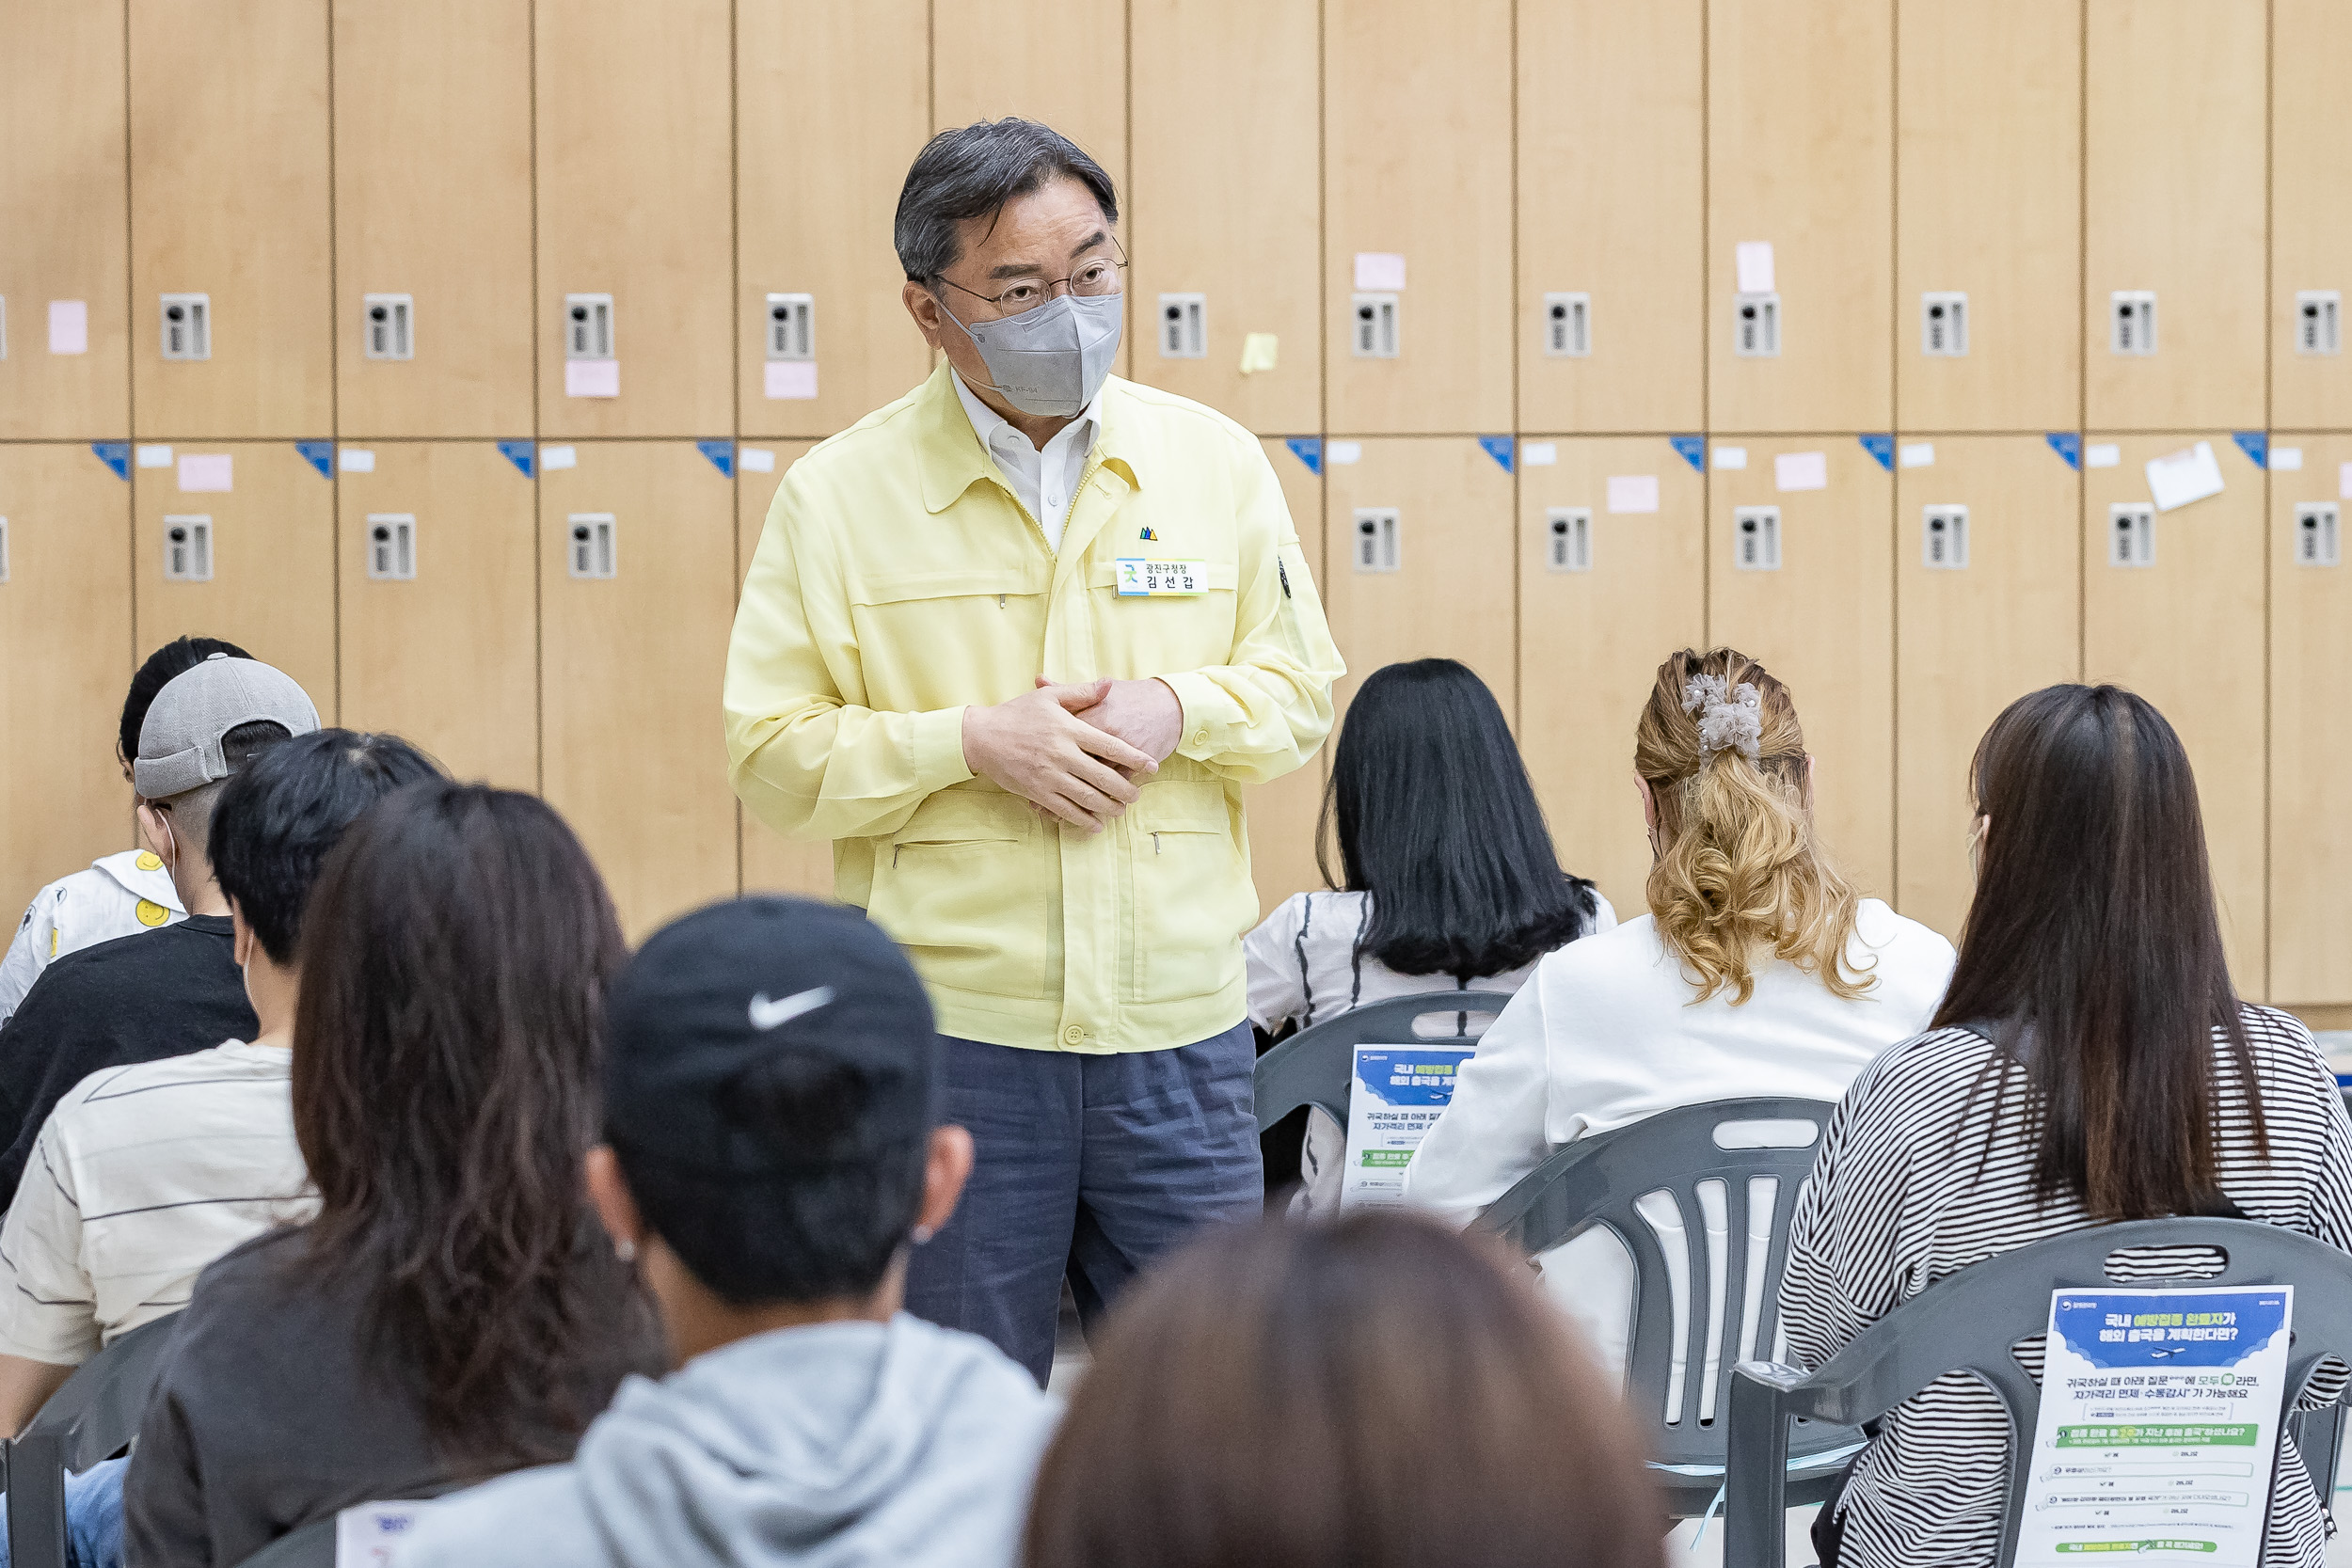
1258, 351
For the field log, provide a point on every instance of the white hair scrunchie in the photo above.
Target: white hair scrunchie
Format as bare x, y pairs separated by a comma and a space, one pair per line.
1729, 720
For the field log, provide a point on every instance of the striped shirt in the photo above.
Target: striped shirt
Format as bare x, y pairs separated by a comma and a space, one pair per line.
142, 1176
1898, 1200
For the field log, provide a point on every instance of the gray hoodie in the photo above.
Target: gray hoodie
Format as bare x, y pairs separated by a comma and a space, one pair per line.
822, 1447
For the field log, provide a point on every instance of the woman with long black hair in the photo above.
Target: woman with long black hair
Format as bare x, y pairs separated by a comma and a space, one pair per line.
1448, 879
454, 1312
2090, 1062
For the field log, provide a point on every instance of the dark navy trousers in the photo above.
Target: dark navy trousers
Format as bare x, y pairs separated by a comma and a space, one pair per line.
1088, 1167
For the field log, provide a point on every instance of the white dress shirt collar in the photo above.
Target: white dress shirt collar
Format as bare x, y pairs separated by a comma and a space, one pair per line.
1045, 481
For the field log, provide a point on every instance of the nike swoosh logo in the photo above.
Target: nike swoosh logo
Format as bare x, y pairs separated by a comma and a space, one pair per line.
770, 1015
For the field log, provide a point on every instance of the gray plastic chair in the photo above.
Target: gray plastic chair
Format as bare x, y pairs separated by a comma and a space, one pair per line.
1316, 1065
93, 1417
1705, 1304
1969, 1322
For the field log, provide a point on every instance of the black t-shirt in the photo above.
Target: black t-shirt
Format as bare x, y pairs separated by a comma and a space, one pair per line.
136, 999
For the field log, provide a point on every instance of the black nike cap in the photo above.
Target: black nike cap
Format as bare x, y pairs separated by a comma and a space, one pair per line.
716, 998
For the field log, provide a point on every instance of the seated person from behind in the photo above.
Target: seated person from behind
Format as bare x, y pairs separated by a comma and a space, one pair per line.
773, 1085
1451, 882
170, 991
120, 894
450, 1313
2092, 1063
1759, 971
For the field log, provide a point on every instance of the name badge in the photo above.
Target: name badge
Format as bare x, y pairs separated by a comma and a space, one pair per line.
1160, 580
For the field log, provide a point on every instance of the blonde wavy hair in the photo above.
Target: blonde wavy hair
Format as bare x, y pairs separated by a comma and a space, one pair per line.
1739, 868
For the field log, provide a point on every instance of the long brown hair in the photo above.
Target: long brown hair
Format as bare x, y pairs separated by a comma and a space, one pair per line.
446, 1058
1377, 1393
1739, 871
2093, 951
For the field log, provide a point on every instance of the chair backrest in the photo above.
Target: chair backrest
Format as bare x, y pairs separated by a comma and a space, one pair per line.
1969, 1322
93, 1417
312, 1545
1315, 1065
1701, 1196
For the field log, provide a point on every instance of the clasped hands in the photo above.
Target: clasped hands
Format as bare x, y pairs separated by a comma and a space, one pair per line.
1077, 749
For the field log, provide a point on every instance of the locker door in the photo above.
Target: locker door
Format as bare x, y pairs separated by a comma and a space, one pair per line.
1619, 219
448, 654
1417, 163
1283, 815
1063, 65
1989, 170
65, 614
1224, 206
228, 199
771, 863
827, 124
269, 544
1988, 604
2175, 205
2310, 643
1444, 589
1604, 597
62, 172
2186, 633
1822, 621
630, 665
2311, 215
433, 203
635, 203
1800, 153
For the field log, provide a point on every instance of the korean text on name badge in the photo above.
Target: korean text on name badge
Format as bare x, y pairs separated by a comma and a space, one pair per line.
1155, 580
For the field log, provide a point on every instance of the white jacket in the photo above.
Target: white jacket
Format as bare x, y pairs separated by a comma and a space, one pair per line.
120, 895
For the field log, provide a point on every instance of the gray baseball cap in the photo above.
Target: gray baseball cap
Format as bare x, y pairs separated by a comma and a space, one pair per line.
179, 742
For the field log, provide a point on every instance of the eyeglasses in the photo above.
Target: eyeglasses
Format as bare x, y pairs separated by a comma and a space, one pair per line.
1099, 276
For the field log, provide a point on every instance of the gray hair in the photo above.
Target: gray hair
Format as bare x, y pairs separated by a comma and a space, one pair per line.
972, 172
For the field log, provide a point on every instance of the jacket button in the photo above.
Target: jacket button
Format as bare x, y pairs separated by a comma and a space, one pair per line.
1074, 1034
1200, 738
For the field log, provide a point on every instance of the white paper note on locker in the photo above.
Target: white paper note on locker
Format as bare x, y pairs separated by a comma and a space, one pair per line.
1800, 470
789, 378
68, 327
1381, 270
206, 471
1632, 492
1730, 457
2179, 478
1753, 261
591, 378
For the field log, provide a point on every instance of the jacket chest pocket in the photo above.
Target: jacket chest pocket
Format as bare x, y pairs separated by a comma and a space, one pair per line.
943, 636
1158, 632
1190, 896
957, 888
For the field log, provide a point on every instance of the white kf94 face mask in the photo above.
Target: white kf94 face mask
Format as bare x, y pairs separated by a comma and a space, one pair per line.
1052, 360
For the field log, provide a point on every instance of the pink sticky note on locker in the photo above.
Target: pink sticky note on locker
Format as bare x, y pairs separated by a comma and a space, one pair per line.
205, 471
591, 378
791, 378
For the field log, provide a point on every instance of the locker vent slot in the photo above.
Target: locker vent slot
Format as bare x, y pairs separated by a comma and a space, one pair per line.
1569, 544
188, 322
2132, 534
1944, 324
1377, 547
392, 546
587, 326
1755, 539
2132, 321
1755, 326
593, 551
1568, 326
187, 549
1375, 336
2317, 328
1944, 539
2316, 542
1184, 326
387, 322
791, 326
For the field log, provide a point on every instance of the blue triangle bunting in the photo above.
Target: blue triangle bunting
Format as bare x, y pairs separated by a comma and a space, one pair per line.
2066, 445
1692, 448
320, 455
520, 454
1499, 448
721, 455
1307, 449
116, 455
1881, 447
2254, 444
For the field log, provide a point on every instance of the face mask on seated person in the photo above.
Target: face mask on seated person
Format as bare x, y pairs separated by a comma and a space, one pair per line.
1051, 362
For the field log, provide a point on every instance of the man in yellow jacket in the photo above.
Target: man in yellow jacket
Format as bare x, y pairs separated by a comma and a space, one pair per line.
1015, 644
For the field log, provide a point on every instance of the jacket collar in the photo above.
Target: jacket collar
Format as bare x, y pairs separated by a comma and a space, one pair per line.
952, 460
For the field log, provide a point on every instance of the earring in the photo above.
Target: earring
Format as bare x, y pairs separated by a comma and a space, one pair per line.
624, 1251
922, 1235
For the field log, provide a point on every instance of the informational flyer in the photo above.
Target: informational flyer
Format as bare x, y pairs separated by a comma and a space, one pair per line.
1399, 1091
2159, 1425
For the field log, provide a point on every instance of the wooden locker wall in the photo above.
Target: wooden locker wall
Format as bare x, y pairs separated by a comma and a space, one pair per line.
433, 140
1283, 815
2311, 209
2187, 634
62, 181
2310, 646
65, 615
826, 125
1594, 631
771, 863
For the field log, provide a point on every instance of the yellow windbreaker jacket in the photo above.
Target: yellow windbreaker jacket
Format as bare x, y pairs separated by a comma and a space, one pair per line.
897, 581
